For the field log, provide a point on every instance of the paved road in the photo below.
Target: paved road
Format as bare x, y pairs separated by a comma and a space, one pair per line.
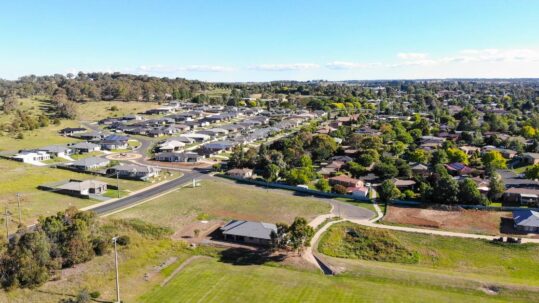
140, 197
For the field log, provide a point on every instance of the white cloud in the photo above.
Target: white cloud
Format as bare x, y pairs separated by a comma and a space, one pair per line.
284, 67
494, 55
350, 65
412, 56
169, 69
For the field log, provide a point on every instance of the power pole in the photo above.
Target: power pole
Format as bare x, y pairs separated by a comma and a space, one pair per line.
118, 186
19, 205
117, 274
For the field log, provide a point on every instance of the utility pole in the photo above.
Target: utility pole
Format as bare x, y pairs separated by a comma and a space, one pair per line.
118, 185
19, 205
117, 274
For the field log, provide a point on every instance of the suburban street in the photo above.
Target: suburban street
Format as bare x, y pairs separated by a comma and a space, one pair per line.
146, 194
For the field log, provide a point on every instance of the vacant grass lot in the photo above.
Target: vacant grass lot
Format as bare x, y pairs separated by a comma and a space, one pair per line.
23, 178
211, 281
479, 259
219, 199
96, 110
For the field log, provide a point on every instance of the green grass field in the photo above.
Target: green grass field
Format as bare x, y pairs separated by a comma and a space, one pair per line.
93, 111
222, 199
475, 259
23, 178
212, 281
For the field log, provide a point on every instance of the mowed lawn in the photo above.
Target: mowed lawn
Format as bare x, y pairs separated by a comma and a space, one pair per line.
224, 200
23, 178
474, 259
211, 281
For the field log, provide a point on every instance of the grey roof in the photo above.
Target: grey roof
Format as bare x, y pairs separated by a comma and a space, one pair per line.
259, 230
527, 218
80, 186
84, 145
91, 161
54, 148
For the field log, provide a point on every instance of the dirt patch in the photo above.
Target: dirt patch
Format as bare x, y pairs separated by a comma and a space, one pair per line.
204, 228
469, 221
490, 289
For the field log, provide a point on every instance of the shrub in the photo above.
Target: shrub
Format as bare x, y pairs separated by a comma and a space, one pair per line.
123, 240
95, 294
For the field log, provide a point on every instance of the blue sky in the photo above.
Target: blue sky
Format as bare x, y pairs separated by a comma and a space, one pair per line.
272, 40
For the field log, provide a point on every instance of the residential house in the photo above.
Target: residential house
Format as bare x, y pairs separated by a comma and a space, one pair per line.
170, 145
458, 168
27, 156
218, 146
70, 131
113, 142
531, 158
244, 173
526, 220
133, 171
90, 163
521, 196
85, 147
248, 232
77, 188
345, 181
190, 157
56, 150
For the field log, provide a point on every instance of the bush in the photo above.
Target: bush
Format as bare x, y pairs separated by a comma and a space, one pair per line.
95, 294
340, 189
100, 246
144, 228
123, 240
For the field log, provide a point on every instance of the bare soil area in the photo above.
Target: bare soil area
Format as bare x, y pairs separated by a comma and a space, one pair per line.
469, 221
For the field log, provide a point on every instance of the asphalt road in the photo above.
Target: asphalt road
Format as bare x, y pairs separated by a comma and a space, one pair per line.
140, 197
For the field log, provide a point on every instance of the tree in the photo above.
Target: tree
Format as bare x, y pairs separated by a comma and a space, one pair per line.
322, 147
300, 234
355, 169
445, 190
496, 187
528, 131
494, 160
323, 185
386, 170
418, 155
28, 261
532, 172
456, 155
388, 191
439, 156
469, 193
298, 176
280, 238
